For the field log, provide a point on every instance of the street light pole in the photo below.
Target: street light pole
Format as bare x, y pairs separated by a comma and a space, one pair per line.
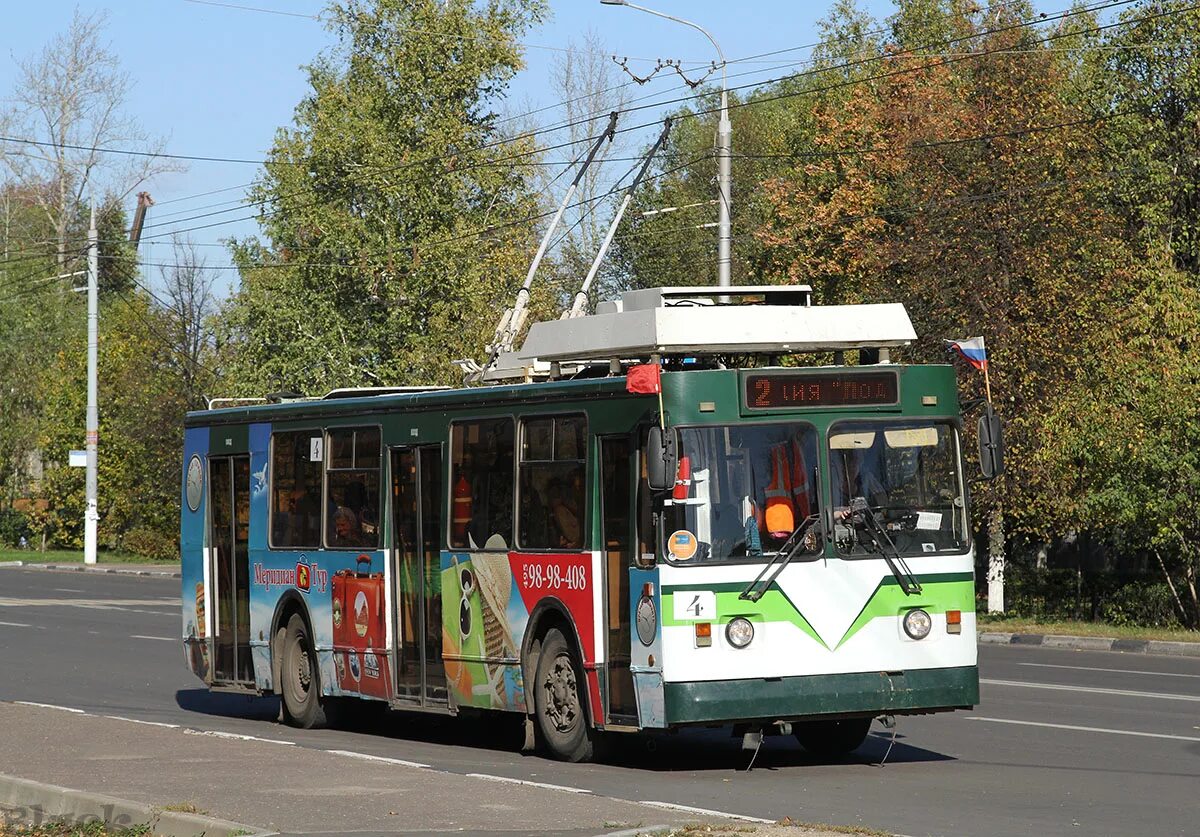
724, 149
91, 510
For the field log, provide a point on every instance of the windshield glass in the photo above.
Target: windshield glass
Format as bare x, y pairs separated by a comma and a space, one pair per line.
741, 492
909, 475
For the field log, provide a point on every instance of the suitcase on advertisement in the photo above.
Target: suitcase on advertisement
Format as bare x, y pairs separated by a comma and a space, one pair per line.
360, 631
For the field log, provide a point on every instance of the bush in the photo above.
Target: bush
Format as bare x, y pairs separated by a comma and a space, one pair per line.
1054, 595
1142, 605
152, 544
13, 525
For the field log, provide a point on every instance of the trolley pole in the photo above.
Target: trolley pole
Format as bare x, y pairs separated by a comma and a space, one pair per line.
92, 514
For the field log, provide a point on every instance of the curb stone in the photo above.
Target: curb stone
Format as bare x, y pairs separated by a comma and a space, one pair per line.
639, 832
22, 800
1093, 643
80, 568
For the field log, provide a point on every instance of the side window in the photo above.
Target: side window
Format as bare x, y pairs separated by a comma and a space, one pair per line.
296, 489
481, 484
553, 490
352, 465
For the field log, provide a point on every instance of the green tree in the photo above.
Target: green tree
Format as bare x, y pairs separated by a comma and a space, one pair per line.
141, 433
1123, 440
395, 218
1152, 79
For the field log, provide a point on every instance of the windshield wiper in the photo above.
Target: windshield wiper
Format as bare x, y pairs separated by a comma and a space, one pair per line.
786, 552
879, 540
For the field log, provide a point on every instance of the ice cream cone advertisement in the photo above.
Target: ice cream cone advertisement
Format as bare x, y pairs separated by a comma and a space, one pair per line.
489, 597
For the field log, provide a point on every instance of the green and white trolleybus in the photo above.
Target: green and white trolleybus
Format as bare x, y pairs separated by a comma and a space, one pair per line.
647, 518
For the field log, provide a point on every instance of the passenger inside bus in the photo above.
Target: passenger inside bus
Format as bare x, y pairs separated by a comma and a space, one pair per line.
744, 491
347, 533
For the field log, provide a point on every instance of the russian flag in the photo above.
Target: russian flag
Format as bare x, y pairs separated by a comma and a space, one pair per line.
971, 350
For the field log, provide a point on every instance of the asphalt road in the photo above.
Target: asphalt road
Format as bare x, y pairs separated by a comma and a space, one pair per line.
1065, 742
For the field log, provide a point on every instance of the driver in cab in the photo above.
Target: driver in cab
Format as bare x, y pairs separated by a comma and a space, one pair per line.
852, 478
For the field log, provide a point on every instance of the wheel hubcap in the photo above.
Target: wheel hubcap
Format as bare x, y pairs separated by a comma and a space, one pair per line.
303, 671
562, 697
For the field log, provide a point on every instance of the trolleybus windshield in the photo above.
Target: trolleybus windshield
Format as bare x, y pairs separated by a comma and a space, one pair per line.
910, 476
742, 490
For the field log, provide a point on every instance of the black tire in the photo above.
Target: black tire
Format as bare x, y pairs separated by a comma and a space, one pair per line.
300, 677
832, 739
560, 715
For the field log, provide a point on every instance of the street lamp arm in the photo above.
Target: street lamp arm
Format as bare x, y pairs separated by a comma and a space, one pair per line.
695, 26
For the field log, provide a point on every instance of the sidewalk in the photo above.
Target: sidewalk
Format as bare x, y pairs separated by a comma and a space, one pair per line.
156, 570
1093, 643
261, 787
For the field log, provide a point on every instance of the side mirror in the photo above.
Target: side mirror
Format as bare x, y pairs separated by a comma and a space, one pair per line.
991, 445
660, 459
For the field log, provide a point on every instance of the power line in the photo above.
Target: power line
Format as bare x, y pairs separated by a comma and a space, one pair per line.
758, 101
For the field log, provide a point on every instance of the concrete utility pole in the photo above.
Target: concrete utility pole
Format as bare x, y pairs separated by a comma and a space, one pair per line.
92, 514
724, 150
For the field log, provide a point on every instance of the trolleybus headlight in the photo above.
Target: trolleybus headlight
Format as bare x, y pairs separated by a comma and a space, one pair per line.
917, 624
739, 632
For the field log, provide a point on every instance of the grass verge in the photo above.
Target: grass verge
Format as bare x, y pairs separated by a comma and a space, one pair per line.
786, 827
1018, 625
92, 829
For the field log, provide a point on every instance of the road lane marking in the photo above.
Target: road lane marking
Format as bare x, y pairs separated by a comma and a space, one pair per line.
87, 604
67, 590
236, 736
1113, 670
368, 757
15, 625
1095, 690
159, 638
526, 782
671, 806
51, 706
1085, 729
139, 721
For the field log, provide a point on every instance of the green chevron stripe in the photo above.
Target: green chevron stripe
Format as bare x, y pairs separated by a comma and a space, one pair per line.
774, 606
935, 597
939, 592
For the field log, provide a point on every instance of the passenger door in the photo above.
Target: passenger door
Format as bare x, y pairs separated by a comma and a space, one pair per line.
229, 552
618, 477
416, 477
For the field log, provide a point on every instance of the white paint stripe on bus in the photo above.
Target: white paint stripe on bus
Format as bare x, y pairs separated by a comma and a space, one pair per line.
1112, 670
1077, 728
368, 757
671, 806
159, 638
72, 710
236, 736
1058, 687
526, 782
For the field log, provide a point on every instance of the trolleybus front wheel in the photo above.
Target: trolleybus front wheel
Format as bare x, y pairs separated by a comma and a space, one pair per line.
300, 676
830, 739
559, 703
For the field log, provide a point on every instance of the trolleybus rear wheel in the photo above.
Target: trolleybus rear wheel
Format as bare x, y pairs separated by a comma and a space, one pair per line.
559, 704
829, 739
300, 676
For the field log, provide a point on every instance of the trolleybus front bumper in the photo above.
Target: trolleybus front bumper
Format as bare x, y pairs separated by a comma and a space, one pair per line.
785, 698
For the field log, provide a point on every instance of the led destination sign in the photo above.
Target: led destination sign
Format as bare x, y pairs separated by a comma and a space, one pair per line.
821, 389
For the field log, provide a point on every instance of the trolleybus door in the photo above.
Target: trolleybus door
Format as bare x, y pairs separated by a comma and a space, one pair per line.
618, 476
229, 542
416, 474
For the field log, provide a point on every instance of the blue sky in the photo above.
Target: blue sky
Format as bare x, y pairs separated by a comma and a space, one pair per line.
219, 81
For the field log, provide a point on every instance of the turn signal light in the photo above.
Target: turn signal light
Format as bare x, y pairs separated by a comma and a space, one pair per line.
703, 634
954, 621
